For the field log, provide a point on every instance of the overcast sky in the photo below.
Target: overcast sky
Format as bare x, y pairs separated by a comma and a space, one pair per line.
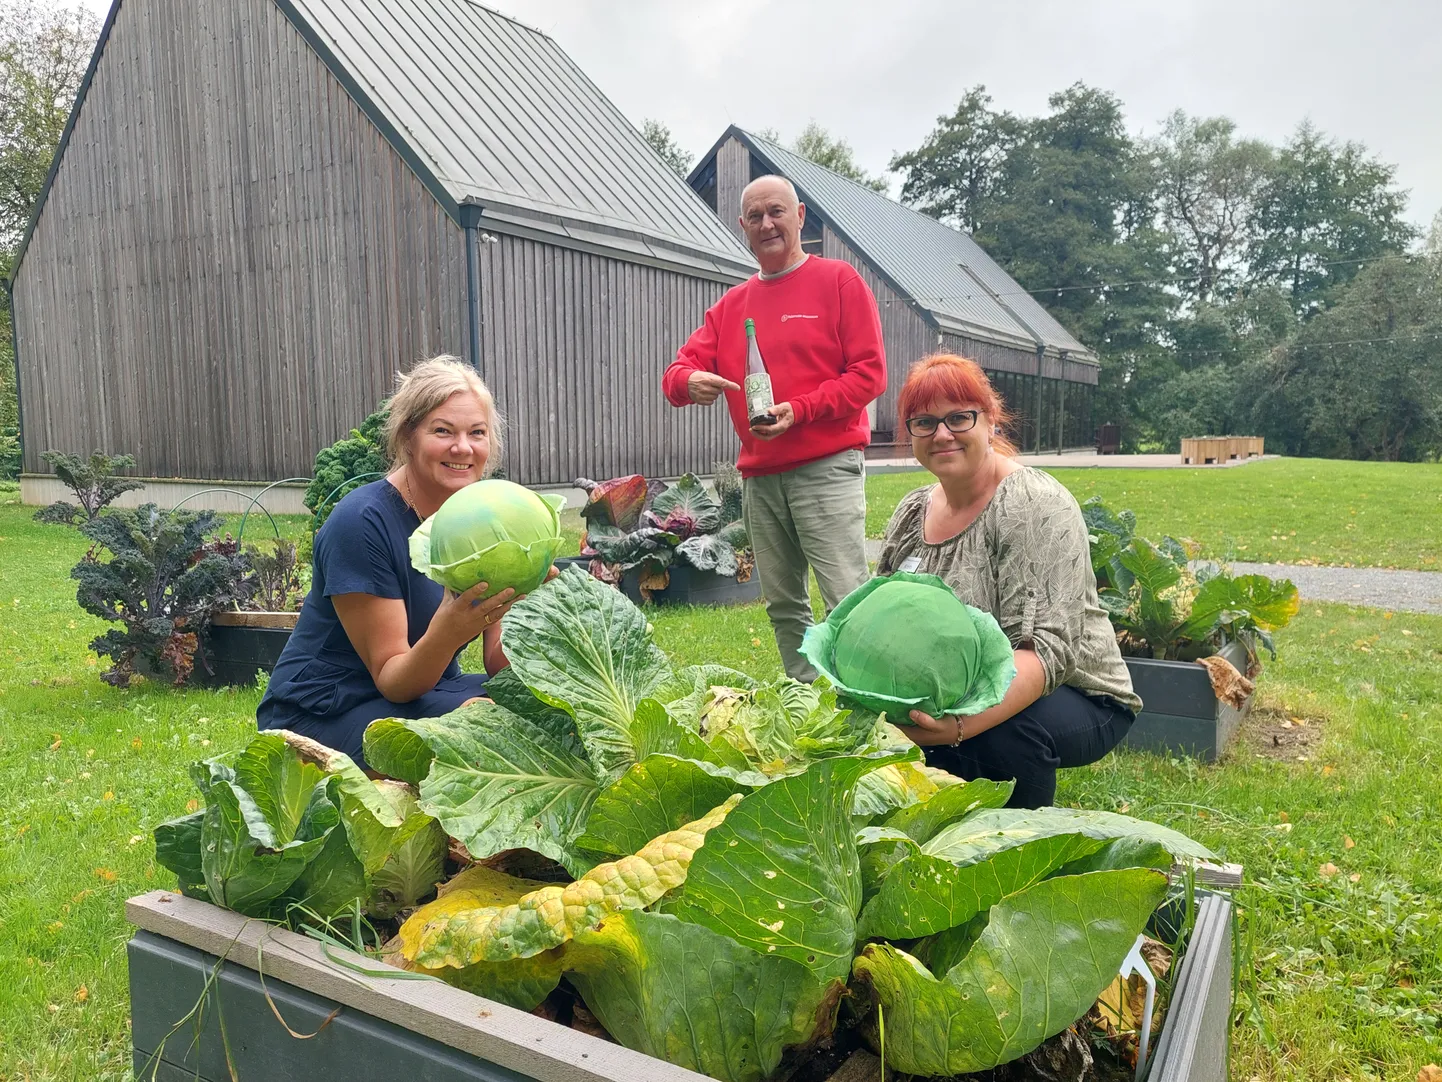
879, 73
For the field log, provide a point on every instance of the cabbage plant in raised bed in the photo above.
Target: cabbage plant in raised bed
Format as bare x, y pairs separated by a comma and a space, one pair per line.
725, 860
1168, 606
650, 526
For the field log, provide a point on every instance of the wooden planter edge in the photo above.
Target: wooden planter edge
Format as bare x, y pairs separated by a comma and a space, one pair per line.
510, 1038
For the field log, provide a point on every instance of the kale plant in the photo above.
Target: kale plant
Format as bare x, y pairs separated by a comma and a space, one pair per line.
347, 463
93, 481
163, 583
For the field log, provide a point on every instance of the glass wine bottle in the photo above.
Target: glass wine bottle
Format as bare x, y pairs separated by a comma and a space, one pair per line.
757, 387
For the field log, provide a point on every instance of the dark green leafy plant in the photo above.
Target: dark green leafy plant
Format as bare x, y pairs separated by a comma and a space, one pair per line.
163, 584
93, 481
346, 464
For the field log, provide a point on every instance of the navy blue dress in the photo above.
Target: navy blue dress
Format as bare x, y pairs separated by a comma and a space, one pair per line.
321, 687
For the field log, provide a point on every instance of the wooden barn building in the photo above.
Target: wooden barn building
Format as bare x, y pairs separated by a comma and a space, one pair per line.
936, 288
262, 209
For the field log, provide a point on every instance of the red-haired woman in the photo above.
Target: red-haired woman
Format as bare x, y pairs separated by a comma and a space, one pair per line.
1008, 539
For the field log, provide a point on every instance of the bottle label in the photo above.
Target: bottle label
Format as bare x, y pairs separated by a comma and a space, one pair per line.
757, 388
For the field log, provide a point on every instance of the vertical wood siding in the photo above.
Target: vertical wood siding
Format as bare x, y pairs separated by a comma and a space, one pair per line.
733, 173
574, 345
233, 263
907, 336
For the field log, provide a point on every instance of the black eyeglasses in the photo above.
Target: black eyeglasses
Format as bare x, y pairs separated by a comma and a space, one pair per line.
956, 423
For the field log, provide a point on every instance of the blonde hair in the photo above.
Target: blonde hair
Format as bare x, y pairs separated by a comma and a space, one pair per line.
427, 387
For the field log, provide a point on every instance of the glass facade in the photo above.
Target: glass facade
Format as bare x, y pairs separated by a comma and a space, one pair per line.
1048, 414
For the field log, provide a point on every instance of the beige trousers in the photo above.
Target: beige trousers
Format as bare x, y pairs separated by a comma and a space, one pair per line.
811, 517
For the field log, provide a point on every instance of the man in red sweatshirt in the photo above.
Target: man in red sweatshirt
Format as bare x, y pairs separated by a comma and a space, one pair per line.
804, 497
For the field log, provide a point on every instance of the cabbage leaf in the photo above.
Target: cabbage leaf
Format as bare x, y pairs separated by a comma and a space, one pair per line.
1035, 964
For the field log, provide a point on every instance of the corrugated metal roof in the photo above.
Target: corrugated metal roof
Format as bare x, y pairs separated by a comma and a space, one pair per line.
501, 116
927, 260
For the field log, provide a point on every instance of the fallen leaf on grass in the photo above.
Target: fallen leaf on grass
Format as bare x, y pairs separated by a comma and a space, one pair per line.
1347, 842
82, 994
1285, 828
1283, 816
137, 743
53, 1008
106, 874
136, 839
1328, 770
1430, 1073
57, 743
192, 805
1326, 871
108, 795
23, 828
1355, 877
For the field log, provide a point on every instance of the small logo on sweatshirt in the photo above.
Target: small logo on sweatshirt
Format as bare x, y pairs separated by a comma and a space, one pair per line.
785, 318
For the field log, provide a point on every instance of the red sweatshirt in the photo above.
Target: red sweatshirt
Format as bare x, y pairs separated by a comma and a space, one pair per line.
820, 335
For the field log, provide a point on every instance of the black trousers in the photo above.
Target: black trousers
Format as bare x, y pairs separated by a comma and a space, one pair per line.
1063, 729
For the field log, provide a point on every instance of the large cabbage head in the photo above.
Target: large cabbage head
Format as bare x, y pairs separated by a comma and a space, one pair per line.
904, 642
492, 531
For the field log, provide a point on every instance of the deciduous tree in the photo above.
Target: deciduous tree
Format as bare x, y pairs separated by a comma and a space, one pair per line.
1324, 211
665, 144
1206, 183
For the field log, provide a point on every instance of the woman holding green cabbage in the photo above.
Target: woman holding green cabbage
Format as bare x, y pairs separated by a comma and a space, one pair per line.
376, 638
1010, 541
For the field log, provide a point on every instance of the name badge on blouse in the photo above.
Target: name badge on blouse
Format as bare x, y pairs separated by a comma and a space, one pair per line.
910, 564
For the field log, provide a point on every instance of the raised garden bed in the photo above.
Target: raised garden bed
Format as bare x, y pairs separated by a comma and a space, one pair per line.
688, 586
1180, 713
381, 1028
240, 643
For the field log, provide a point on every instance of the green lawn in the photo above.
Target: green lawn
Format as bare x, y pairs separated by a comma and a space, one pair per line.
1290, 510
1340, 979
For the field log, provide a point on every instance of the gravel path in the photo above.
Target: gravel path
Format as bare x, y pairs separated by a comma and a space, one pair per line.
1378, 587
1405, 591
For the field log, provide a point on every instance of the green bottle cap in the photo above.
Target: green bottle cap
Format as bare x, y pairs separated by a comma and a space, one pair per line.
751, 328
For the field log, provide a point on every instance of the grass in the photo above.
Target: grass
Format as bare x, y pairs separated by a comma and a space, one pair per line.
1289, 510
1339, 979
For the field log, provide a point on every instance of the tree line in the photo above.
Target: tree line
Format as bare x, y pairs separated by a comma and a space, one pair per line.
1228, 285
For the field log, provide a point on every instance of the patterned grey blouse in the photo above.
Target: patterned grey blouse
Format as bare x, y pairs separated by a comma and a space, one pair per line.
1026, 561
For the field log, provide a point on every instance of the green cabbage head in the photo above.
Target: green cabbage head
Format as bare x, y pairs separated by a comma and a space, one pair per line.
905, 642
493, 531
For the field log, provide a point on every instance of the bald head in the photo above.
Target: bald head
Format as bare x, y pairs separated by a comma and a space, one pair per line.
767, 186
771, 218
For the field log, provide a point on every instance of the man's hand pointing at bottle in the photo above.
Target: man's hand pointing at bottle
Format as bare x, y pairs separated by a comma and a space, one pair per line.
705, 387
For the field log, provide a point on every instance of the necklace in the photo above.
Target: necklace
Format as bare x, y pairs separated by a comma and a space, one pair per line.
406, 494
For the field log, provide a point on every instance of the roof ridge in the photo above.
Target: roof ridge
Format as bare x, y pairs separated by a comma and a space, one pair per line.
856, 183
512, 19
